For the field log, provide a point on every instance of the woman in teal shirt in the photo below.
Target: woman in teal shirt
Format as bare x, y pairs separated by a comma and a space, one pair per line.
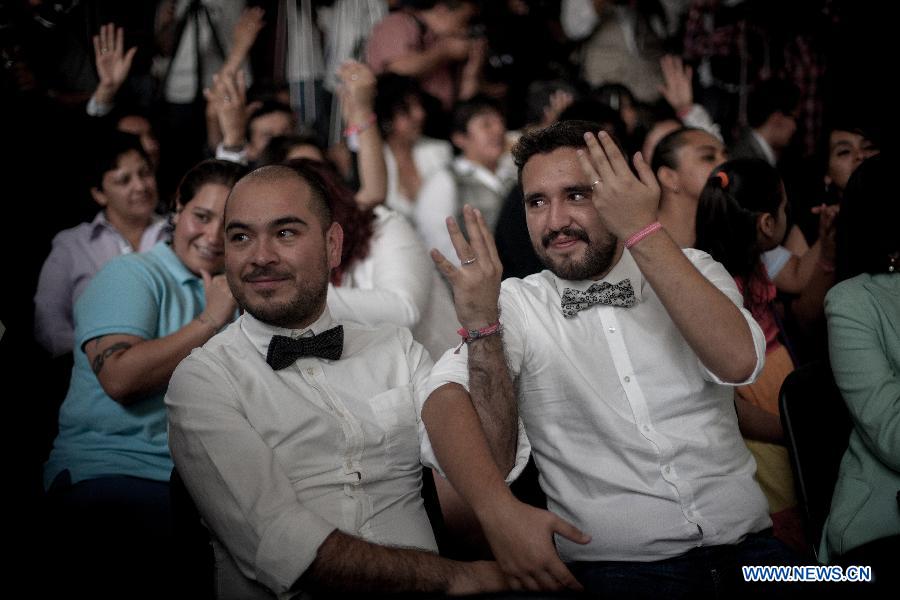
108, 472
863, 314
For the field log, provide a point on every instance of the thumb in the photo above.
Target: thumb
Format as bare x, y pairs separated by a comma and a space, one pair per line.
207, 279
569, 531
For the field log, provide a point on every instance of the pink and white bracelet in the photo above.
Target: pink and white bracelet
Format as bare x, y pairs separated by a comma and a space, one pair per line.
648, 230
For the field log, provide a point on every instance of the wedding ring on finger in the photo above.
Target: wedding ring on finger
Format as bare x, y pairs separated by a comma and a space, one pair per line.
469, 261
226, 99
594, 183
354, 77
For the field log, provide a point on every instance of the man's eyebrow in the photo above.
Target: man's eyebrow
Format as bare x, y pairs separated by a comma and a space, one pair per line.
286, 220
236, 225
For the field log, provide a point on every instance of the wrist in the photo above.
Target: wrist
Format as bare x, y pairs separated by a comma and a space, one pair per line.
209, 323
684, 110
104, 94
233, 143
641, 234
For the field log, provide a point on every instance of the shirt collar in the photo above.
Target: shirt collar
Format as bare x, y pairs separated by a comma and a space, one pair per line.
494, 180
101, 223
765, 147
260, 333
167, 256
626, 268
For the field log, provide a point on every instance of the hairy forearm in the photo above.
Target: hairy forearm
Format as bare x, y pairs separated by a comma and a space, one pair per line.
351, 565
711, 324
493, 396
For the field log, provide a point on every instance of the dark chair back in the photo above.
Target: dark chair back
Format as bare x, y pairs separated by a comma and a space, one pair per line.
817, 428
193, 552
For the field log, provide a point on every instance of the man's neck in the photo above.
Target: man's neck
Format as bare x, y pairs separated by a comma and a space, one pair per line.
767, 134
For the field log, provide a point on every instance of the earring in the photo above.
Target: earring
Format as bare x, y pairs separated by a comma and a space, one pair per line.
892, 264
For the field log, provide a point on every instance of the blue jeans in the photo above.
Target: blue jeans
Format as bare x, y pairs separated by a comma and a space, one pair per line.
707, 572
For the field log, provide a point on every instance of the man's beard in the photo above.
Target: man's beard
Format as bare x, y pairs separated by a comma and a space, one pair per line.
596, 261
308, 299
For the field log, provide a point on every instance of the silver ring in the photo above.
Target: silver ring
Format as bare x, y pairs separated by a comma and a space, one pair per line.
595, 182
226, 99
104, 50
354, 77
470, 260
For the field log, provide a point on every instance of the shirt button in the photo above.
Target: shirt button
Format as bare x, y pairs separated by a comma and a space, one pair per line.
646, 428
612, 329
310, 371
668, 470
627, 379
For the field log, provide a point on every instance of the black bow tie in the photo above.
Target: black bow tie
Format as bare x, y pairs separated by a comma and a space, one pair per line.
283, 350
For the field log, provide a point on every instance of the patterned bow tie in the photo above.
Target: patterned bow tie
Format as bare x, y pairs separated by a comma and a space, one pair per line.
283, 350
619, 294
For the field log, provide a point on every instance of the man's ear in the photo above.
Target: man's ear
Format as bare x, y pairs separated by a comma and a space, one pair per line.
99, 197
334, 244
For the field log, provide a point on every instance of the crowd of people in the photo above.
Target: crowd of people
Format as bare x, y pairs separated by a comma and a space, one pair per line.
452, 297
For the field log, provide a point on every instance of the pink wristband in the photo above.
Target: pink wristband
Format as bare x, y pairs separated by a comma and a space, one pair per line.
637, 237
470, 335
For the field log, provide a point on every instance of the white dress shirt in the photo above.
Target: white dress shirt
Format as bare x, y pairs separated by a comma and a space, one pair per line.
276, 460
429, 156
439, 198
397, 283
636, 441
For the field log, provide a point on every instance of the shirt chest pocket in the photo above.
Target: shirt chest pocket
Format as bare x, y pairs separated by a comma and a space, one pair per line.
395, 414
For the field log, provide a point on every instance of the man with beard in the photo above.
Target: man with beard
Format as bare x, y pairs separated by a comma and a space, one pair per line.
619, 359
299, 438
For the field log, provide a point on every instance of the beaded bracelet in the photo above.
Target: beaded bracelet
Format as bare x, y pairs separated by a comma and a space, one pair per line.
637, 237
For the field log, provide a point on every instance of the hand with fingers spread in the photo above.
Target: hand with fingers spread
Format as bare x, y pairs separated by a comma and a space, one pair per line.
113, 63
626, 203
227, 98
476, 282
677, 83
521, 538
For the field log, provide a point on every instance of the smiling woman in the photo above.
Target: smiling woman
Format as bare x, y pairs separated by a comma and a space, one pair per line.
107, 476
124, 186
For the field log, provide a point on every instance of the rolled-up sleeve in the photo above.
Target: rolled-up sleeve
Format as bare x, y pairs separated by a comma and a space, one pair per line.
719, 277
453, 367
240, 488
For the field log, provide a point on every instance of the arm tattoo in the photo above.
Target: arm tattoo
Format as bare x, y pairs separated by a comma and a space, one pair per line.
100, 359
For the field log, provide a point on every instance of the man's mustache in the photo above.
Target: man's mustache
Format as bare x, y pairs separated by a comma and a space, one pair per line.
571, 232
264, 273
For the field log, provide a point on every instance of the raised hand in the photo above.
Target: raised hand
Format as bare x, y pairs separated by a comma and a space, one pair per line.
113, 63
677, 88
626, 203
247, 29
476, 283
357, 91
559, 101
228, 100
